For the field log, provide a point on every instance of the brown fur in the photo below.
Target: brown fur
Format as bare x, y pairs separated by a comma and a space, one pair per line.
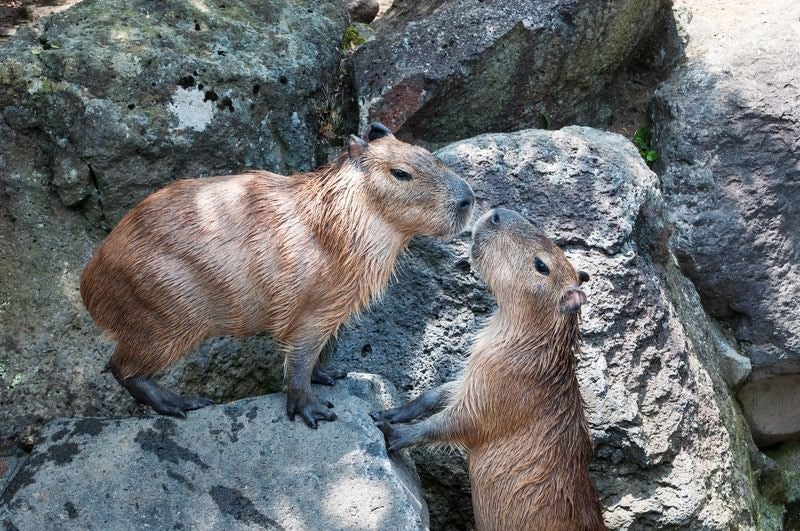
517, 406
294, 256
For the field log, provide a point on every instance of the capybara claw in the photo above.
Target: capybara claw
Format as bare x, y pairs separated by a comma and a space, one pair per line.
389, 434
161, 399
190, 403
385, 415
310, 408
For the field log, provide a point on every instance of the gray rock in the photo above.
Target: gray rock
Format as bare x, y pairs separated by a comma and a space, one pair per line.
242, 465
136, 93
443, 70
735, 367
363, 11
101, 105
727, 127
671, 450
772, 408
787, 457
8, 467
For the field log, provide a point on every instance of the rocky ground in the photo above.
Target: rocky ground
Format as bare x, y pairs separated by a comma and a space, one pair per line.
691, 327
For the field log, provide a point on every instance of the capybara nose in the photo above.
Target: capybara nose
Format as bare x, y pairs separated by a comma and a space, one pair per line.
464, 206
498, 216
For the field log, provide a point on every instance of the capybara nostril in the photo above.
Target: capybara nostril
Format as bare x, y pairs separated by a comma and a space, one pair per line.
502, 215
465, 205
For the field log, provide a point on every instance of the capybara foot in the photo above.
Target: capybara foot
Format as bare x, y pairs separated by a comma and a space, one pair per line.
326, 377
392, 434
385, 415
395, 415
161, 399
309, 407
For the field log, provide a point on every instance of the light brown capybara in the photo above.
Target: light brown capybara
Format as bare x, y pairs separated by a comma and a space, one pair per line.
517, 407
294, 256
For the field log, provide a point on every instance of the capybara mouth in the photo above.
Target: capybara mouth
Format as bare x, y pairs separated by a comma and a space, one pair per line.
476, 249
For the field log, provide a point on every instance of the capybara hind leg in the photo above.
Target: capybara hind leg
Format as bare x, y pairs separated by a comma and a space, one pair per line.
127, 368
326, 376
161, 399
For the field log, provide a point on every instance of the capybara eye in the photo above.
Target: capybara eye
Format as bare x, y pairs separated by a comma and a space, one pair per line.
401, 175
541, 267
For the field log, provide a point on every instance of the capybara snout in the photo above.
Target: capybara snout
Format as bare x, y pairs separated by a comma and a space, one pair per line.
414, 189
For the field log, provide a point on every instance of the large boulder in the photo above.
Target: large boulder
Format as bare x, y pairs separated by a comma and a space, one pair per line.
727, 127
243, 465
127, 95
104, 103
671, 448
442, 70
363, 11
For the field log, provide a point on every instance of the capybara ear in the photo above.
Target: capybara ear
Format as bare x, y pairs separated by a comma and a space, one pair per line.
572, 300
377, 130
583, 276
356, 147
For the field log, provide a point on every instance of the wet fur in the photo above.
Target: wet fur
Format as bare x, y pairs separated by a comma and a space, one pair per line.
235, 255
517, 408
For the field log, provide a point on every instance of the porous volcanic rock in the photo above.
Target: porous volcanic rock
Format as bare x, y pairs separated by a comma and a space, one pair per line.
128, 95
443, 70
727, 128
671, 448
363, 11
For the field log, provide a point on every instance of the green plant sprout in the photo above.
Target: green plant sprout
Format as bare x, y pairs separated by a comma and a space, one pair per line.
641, 140
352, 39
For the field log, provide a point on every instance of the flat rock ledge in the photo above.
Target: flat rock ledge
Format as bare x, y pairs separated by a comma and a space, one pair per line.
241, 465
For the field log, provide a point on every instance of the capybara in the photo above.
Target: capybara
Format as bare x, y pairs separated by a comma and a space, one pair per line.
291, 255
517, 407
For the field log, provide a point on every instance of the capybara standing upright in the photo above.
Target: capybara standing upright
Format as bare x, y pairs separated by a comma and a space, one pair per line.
517, 406
294, 256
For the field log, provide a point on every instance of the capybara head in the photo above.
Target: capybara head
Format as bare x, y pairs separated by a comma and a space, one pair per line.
521, 265
410, 188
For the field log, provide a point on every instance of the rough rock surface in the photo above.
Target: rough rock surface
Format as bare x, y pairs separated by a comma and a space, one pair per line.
363, 11
99, 106
242, 465
671, 450
727, 127
787, 457
446, 70
127, 95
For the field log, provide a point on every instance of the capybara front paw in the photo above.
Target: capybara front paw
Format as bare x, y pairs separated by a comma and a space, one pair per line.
309, 407
189, 403
391, 434
385, 415
394, 415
